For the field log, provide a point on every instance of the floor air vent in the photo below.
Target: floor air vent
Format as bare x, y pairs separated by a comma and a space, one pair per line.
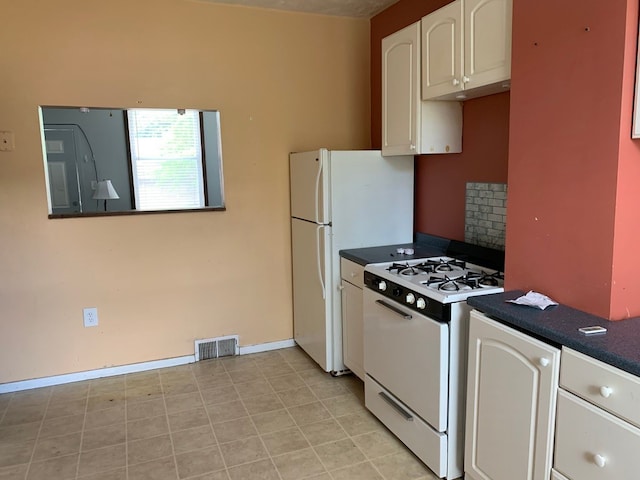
217, 347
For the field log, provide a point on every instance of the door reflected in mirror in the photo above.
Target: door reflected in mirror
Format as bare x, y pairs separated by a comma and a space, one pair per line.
131, 160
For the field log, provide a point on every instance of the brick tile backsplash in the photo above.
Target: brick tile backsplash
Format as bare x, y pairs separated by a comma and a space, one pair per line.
486, 214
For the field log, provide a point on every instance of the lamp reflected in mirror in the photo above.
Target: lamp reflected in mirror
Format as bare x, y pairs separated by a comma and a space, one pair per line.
105, 191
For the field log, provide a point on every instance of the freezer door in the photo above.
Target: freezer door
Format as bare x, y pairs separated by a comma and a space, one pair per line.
309, 178
312, 297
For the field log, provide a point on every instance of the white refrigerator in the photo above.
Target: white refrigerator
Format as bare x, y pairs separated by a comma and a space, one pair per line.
340, 200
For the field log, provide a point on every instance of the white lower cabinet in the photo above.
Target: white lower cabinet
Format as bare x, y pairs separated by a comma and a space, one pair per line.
555, 475
592, 444
351, 286
511, 401
596, 438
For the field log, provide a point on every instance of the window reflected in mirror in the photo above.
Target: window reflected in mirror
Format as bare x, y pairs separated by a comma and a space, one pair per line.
123, 160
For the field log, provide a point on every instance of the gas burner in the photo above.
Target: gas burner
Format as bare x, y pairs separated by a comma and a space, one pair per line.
446, 265
484, 279
447, 284
397, 267
424, 267
410, 270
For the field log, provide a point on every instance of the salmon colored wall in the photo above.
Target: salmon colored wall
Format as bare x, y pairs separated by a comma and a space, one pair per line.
572, 169
625, 288
441, 179
282, 82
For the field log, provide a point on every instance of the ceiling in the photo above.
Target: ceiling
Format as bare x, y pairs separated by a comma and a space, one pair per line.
343, 8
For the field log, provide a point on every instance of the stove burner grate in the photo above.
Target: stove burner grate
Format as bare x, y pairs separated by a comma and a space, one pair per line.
447, 284
410, 270
483, 279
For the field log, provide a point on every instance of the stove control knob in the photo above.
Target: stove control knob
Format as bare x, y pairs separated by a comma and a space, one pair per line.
397, 292
411, 298
382, 286
421, 303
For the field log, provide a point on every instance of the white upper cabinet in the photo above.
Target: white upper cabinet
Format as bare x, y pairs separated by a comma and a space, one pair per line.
442, 47
466, 49
411, 126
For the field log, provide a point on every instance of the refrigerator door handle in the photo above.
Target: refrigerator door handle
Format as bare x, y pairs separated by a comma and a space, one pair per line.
318, 231
318, 177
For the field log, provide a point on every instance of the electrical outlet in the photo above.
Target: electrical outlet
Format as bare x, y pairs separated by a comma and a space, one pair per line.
90, 316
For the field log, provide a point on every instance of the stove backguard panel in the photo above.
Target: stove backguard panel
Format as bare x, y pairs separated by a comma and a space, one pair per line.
486, 214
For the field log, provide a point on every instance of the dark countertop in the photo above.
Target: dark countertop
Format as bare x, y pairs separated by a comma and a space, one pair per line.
388, 253
619, 347
424, 246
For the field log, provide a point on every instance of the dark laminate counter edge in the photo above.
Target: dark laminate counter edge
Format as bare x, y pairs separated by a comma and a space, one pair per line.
388, 253
424, 246
619, 347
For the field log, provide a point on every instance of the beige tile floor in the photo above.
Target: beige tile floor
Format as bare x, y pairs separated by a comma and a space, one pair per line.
272, 415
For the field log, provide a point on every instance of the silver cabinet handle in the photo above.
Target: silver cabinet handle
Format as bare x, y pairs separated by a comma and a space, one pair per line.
395, 310
407, 416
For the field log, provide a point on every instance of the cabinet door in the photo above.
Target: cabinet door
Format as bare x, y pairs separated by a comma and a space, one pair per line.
511, 396
352, 328
442, 47
400, 83
487, 44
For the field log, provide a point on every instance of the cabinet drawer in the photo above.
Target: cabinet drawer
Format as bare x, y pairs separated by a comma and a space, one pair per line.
614, 390
592, 444
352, 272
427, 444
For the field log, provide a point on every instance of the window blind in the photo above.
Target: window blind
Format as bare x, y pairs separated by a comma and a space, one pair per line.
166, 159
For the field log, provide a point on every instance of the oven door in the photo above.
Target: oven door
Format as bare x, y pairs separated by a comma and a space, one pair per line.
408, 354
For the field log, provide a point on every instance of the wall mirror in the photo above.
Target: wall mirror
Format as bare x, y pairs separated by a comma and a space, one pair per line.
137, 160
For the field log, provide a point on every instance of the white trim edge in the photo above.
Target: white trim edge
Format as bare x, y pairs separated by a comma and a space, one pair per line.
266, 347
132, 368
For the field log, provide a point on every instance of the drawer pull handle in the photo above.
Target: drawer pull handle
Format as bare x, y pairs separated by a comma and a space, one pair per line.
395, 310
599, 460
606, 391
544, 362
397, 407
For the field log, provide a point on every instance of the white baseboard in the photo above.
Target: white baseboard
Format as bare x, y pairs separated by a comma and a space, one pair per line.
265, 347
132, 368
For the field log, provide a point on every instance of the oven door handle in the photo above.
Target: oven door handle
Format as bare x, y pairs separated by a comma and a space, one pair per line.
407, 416
395, 310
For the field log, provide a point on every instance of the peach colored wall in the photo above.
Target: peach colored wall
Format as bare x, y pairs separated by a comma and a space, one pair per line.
441, 179
282, 82
571, 224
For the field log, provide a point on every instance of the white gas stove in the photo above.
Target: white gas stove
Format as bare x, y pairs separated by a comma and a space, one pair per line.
443, 279
415, 336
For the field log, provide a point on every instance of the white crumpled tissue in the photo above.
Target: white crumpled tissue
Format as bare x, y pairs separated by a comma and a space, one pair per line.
535, 300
